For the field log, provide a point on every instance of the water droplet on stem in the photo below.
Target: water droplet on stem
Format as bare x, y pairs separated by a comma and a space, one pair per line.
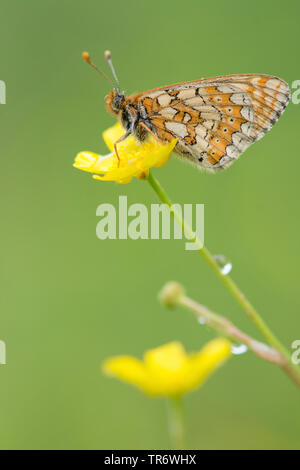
224, 264
238, 349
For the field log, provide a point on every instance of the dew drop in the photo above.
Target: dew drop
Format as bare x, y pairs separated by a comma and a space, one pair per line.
238, 349
201, 320
224, 264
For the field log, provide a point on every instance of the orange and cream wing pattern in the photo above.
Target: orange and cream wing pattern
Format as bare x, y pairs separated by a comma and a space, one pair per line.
215, 119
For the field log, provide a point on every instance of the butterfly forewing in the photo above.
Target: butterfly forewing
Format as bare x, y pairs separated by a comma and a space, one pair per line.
215, 119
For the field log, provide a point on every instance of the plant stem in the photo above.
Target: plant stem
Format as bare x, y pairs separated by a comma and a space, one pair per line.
251, 312
224, 326
176, 423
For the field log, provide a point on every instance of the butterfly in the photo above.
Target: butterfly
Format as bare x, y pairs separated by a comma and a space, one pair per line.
213, 119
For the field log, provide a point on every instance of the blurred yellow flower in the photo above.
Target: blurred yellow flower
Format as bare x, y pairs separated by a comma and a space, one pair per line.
168, 370
135, 158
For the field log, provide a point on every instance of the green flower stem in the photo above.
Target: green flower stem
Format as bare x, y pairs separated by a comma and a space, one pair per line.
176, 423
292, 370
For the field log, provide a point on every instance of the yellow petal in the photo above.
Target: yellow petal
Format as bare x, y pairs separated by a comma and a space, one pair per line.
126, 368
211, 356
165, 366
170, 357
92, 162
112, 134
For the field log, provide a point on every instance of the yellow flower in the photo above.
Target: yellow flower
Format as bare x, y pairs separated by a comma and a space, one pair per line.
168, 370
135, 158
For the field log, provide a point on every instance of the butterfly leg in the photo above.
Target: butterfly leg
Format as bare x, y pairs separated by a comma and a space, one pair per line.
141, 124
123, 137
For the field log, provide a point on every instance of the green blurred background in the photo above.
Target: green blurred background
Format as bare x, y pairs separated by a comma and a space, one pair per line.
69, 300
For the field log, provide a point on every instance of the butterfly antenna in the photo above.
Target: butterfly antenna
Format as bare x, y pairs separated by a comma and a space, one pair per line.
107, 56
86, 57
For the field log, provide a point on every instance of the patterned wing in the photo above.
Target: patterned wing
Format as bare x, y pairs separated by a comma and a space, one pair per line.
215, 119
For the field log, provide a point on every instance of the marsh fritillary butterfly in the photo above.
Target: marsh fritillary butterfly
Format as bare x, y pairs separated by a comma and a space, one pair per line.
214, 119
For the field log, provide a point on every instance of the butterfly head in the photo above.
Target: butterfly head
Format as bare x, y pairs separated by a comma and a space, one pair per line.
114, 101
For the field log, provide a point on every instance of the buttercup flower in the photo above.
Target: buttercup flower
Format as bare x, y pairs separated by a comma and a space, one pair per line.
135, 158
168, 370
